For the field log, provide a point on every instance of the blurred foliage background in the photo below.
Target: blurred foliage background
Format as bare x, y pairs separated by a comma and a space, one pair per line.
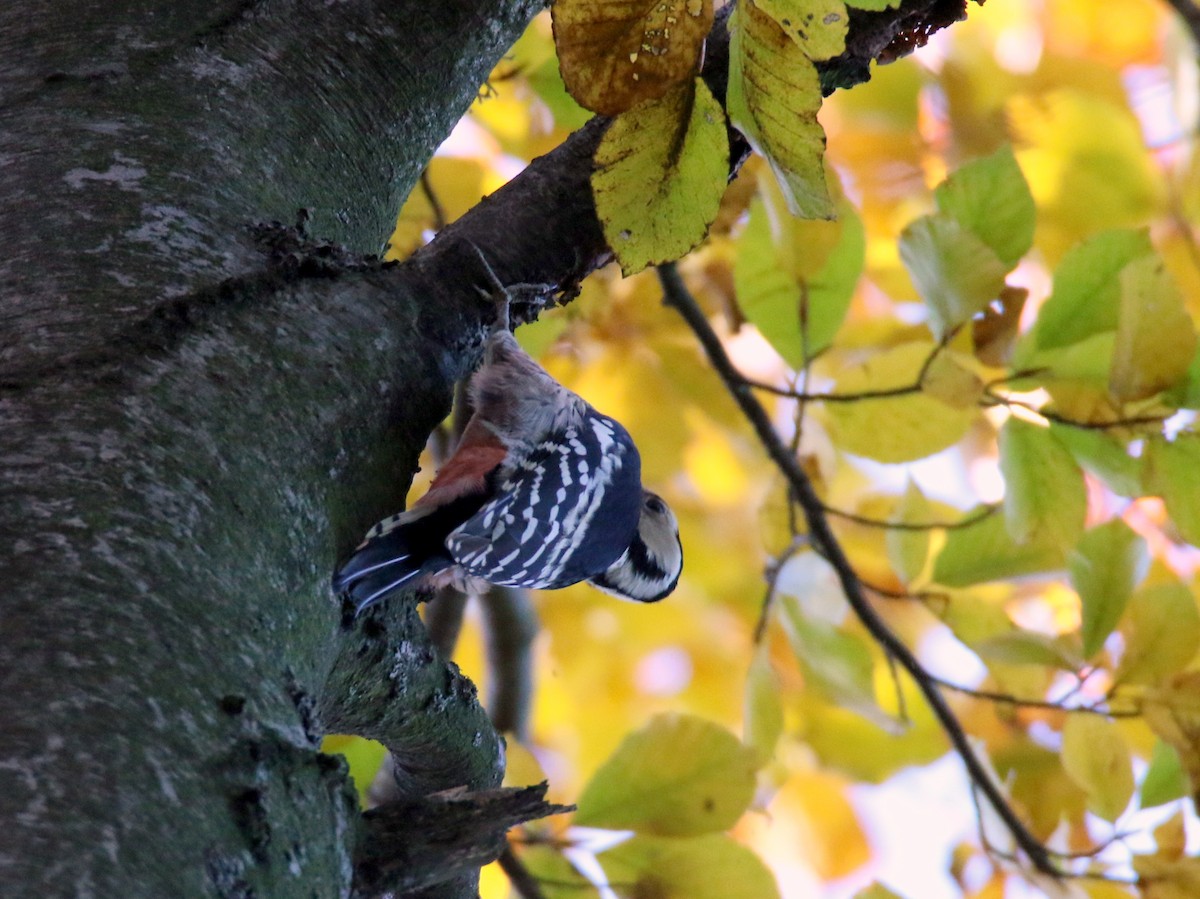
847, 782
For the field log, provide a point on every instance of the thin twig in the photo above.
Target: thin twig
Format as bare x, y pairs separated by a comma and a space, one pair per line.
994, 399
760, 629
974, 518
677, 295
1048, 704
524, 883
439, 214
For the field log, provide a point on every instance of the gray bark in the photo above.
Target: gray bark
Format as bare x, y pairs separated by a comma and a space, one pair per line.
193, 429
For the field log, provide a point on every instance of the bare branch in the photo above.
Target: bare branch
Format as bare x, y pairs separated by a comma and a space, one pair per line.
677, 295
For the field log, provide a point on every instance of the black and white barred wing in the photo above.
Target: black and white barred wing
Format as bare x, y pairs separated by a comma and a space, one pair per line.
566, 513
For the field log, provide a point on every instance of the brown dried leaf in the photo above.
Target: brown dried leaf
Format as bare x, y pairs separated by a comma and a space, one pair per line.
615, 54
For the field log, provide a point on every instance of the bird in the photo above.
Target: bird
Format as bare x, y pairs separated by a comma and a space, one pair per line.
542, 491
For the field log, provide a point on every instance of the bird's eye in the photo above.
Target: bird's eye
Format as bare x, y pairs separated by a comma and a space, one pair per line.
654, 504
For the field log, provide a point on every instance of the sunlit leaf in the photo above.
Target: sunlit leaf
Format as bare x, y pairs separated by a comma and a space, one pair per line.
986, 551
1096, 757
1155, 337
1044, 498
1174, 474
1165, 779
615, 54
990, 198
817, 26
900, 426
1086, 299
705, 867
764, 711
774, 95
660, 171
953, 270
1173, 712
1020, 647
793, 298
1104, 456
908, 550
678, 776
1105, 566
1086, 161
836, 663
1162, 633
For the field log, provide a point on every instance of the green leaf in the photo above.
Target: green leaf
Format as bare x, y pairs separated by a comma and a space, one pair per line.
1096, 757
1174, 474
908, 424
615, 54
837, 664
1155, 337
763, 713
678, 776
1165, 779
1162, 633
908, 550
660, 172
1021, 647
774, 266
874, 5
817, 26
1086, 298
953, 270
990, 198
1045, 498
774, 95
706, 867
1103, 456
985, 551
1108, 563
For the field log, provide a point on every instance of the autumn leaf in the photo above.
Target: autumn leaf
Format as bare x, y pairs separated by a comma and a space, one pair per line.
817, 26
660, 171
774, 95
678, 776
1096, 757
1045, 498
615, 54
1156, 340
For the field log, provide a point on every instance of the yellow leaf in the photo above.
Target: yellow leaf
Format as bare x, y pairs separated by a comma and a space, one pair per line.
774, 95
764, 712
1155, 337
908, 550
1162, 633
1173, 711
1162, 878
678, 776
817, 26
897, 428
615, 54
660, 171
951, 382
1096, 757
705, 867
1174, 474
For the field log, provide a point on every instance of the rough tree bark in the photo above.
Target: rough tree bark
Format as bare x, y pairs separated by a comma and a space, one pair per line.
199, 414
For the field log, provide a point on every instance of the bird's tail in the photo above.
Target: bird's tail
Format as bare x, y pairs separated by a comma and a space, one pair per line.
386, 563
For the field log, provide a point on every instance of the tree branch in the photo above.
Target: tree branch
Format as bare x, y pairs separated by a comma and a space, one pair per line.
677, 296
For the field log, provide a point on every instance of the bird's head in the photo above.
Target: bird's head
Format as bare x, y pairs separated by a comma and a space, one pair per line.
649, 569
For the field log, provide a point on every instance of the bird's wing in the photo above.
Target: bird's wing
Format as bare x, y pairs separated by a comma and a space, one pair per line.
565, 512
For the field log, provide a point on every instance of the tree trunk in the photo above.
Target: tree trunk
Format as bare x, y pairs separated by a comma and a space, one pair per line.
198, 414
